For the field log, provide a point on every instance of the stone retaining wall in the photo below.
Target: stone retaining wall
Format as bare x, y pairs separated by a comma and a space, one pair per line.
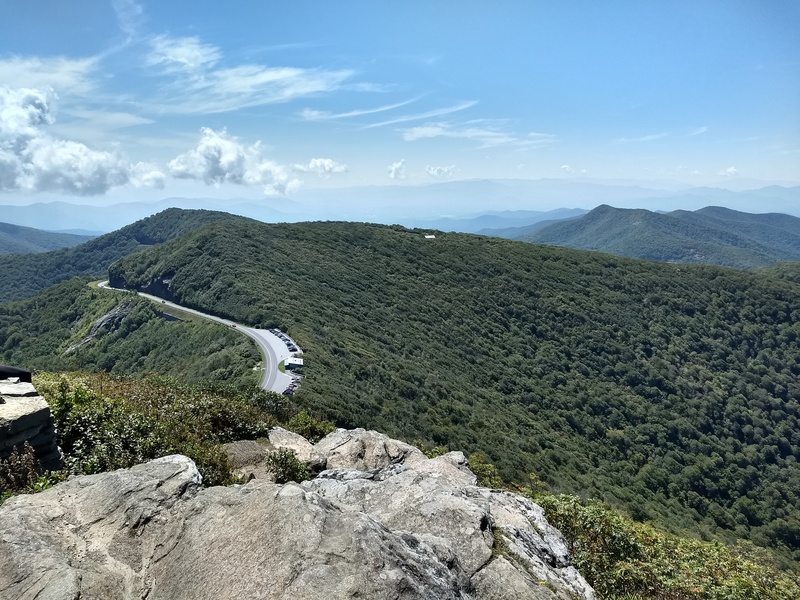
25, 416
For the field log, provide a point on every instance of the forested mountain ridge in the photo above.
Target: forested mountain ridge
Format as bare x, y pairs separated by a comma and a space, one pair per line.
712, 235
23, 240
22, 275
670, 390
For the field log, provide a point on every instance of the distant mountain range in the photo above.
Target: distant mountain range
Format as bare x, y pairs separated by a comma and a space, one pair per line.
468, 206
711, 235
23, 240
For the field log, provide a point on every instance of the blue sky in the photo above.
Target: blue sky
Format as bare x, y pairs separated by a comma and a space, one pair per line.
124, 100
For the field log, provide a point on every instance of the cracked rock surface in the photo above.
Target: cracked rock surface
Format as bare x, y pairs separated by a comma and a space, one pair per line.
382, 521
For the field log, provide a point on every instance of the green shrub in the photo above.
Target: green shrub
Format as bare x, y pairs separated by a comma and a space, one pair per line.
284, 464
106, 422
309, 427
625, 560
486, 472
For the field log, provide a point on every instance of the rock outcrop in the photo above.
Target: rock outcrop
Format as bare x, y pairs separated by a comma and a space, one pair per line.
25, 417
385, 522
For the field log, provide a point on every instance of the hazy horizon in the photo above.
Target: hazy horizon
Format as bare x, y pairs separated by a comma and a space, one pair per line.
125, 100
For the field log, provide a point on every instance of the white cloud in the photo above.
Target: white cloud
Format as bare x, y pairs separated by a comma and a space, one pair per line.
535, 139
32, 161
644, 138
425, 131
108, 120
71, 167
145, 174
66, 76
729, 172
129, 15
486, 137
200, 87
426, 115
309, 114
487, 132
698, 131
221, 158
23, 111
567, 169
441, 172
182, 54
323, 167
398, 170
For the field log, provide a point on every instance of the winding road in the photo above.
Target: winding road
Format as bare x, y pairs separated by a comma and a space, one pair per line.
273, 348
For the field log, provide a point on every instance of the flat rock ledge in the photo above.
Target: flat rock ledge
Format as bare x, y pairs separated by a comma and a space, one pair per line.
380, 521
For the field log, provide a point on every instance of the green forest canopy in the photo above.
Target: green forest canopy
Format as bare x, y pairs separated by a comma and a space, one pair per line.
668, 390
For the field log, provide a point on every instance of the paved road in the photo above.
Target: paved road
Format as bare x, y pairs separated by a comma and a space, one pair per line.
272, 347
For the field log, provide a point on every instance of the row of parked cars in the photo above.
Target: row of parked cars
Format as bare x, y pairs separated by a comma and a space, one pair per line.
286, 340
292, 388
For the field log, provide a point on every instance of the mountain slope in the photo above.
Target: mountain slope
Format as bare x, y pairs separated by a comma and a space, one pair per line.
22, 276
23, 240
71, 326
712, 235
670, 390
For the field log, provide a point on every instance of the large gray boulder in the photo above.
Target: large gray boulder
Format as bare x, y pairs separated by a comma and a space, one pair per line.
408, 528
363, 450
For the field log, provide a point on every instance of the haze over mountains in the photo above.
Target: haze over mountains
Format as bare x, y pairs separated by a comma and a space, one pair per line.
454, 205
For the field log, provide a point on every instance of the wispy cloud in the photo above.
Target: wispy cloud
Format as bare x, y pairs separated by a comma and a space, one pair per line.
536, 139
698, 131
224, 90
644, 138
108, 120
65, 76
309, 114
130, 16
182, 54
426, 115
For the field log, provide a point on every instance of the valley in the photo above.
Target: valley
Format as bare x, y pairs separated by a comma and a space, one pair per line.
666, 391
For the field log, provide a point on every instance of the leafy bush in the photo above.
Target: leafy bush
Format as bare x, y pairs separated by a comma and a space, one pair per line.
625, 560
106, 422
284, 464
310, 428
486, 472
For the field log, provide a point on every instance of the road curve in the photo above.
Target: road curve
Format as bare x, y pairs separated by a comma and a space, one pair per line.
272, 347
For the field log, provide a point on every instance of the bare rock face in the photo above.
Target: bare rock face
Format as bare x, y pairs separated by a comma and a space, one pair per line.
399, 526
363, 450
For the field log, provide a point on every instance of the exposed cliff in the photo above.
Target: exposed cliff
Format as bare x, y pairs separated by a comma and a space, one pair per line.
381, 521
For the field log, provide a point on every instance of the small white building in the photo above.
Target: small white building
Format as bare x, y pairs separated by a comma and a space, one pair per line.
293, 363
430, 237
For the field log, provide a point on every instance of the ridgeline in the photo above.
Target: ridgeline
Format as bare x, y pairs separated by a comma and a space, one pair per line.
712, 235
